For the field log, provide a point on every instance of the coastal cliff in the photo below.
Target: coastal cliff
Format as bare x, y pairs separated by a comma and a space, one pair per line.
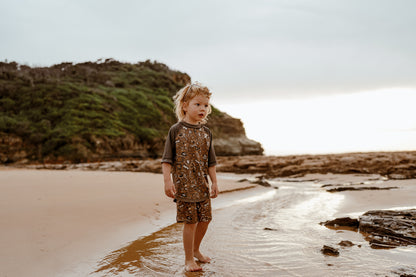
230, 137
94, 111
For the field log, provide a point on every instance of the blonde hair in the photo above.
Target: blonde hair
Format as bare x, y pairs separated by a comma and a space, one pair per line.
186, 94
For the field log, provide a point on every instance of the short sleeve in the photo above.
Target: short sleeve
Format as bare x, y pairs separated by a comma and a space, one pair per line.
169, 152
212, 158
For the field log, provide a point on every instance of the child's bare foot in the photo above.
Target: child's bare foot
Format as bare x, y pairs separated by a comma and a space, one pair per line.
191, 266
202, 258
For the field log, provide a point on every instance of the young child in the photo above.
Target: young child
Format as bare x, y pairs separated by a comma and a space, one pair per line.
189, 156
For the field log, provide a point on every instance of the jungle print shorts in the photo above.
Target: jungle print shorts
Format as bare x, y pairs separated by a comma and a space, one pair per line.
193, 212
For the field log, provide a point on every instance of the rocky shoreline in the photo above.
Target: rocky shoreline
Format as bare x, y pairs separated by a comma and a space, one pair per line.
380, 171
391, 165
383, 229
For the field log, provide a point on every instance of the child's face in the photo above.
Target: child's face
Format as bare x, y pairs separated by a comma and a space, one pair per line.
196, 109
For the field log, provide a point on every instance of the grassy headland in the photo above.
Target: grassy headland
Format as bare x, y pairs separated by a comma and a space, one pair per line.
87, 111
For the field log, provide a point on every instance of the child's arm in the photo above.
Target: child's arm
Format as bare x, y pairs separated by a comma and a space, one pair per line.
213, 176
169, 187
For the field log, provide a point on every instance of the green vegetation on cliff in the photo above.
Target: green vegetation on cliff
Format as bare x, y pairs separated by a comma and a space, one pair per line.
86, 111
62, 110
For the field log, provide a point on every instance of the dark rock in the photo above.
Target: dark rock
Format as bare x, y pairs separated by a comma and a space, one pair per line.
330, 251
261, 181
269, 229
338, 189
342, 222
382, 228
345, 243
328, 185
387, 228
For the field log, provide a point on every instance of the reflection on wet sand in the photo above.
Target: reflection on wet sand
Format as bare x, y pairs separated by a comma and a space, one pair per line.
279, 235
146, 256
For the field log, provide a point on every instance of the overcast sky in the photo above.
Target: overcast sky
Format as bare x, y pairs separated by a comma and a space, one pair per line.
330, 75
277, 49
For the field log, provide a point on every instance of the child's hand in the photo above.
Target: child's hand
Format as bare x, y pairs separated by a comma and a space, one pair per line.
170, 190
214, 191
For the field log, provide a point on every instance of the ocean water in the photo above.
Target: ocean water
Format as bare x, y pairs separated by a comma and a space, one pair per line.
274, 233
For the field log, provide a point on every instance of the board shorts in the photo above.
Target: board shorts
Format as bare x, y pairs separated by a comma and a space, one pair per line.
193, 212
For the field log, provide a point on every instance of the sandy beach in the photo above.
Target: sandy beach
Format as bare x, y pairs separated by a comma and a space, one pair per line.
55, 222
68, 222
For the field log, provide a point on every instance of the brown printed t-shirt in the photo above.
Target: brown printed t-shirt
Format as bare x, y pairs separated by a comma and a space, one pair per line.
190, 151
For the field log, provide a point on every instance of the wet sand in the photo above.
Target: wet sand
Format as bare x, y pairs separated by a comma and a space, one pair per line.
59, 223
277, 233
79, 223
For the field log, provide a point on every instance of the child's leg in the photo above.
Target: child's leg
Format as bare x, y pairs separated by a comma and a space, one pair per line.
188, 245
204, 218
200, 231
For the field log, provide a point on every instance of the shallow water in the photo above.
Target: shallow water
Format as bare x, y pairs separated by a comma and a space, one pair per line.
275, 234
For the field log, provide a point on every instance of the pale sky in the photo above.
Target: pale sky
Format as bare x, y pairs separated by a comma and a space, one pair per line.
251, 54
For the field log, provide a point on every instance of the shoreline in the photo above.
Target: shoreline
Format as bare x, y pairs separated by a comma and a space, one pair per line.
356, 202
271, 232
53, 220
396, 165
61, 222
